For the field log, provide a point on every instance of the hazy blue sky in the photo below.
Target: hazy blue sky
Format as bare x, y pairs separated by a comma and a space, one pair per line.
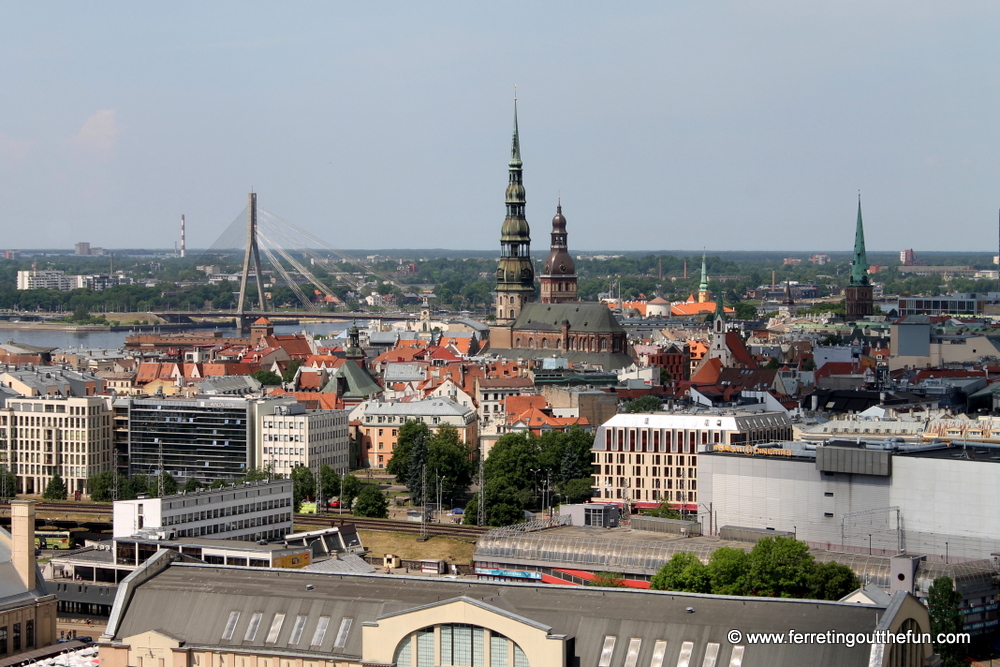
747, 125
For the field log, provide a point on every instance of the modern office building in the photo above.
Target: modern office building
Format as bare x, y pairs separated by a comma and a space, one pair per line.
290, 435
41, 437
247, 511
647, 459
207, 438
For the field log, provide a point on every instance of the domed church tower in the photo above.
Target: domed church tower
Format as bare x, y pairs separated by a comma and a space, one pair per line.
558, 278
515, 273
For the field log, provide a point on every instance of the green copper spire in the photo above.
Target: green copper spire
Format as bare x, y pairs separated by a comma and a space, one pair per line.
720, 311
859, 266
515, 145
703, 287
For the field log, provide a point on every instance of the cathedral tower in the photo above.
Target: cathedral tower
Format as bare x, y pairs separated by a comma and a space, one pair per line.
859, 291
515, 273
558, 278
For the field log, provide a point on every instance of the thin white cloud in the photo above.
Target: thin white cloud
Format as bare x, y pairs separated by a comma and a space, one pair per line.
98, 133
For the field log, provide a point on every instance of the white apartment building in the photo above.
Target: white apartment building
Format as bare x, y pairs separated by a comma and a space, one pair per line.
647, 459
248, 511
56, 280
44, 436
289, 436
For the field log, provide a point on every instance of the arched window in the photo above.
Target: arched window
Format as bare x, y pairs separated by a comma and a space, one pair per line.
545, 343
512, 310
461, 645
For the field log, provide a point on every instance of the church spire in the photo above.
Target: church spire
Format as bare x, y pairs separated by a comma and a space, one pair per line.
703, 293
515, 144
859, 266
516, 272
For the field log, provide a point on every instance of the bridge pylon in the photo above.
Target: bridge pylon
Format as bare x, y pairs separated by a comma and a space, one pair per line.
252, 255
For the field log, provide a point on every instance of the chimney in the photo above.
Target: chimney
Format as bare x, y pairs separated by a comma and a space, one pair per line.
22, 528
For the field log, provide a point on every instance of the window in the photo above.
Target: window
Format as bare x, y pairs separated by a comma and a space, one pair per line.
632, 657
345, 628
16, 636
29, 634
234, 616
321, 626
3, 640
659, 650
300, 624
607, 651
252, 627
272, 634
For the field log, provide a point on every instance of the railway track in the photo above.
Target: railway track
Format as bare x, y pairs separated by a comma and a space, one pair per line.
103, 512
394, 526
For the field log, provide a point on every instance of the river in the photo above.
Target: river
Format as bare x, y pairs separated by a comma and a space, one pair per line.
115, 339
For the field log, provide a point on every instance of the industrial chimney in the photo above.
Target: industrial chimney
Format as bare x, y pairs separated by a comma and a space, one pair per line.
182, 236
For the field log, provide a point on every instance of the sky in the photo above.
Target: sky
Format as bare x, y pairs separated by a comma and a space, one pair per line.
662, 125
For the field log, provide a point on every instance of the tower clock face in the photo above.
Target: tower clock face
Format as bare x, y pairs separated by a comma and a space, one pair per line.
525, 272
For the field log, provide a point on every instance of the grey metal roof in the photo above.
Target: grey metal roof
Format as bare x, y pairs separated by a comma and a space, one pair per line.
195, 602
344, 564
441, 406
581, 317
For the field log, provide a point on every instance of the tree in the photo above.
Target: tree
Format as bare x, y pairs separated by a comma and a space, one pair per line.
170, 486
329, 482
352, 488
191, 485
291, 370
409, 457
449, 464
8, 483
942, 605
647, 403
255, 475
832, 581
56, 489
607, 580
102, 486
662, 511
745, 310
371, 503
780, 567
134, 487
267, 377
683, 572
727, 569
303, 485
577, 490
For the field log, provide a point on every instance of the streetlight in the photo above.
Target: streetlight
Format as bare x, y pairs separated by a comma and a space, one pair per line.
710, 513
534, 484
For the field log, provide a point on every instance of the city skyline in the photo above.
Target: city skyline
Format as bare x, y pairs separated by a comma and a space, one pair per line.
673, 126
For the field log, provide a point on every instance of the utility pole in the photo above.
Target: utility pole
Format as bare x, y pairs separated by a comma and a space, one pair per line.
161, 482
481, 509
319, 490
423, 503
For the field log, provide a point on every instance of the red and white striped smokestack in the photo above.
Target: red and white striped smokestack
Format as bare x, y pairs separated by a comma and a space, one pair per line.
182, 235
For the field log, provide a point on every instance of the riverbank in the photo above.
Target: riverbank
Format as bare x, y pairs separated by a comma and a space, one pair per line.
97, 328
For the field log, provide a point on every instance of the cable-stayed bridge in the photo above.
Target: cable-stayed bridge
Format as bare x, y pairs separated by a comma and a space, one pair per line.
289, 255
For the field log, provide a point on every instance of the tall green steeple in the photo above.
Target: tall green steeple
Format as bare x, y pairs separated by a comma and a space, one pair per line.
516, 272
859, 265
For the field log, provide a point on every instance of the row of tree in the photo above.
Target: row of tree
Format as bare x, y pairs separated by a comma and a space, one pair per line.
775, 567
520, 467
